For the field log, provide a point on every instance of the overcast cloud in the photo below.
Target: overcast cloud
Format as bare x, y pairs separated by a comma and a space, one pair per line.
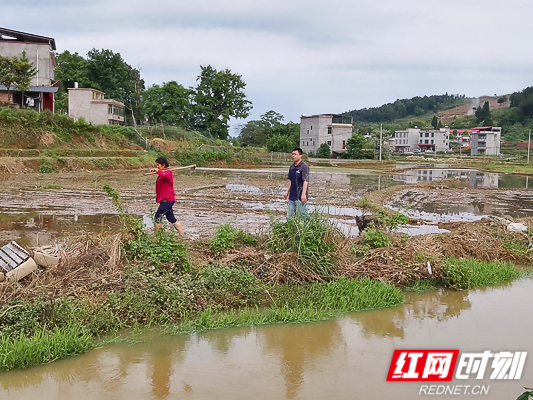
303, 57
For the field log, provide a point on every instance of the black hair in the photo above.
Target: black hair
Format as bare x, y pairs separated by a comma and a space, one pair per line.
299, 150
162, 161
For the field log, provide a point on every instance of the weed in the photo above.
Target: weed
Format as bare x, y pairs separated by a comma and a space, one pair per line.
230, 287
226, 236
391, 220
312, 238
163, 250
376, 238
46, 168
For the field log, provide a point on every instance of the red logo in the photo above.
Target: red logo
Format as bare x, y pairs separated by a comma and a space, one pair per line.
422, 365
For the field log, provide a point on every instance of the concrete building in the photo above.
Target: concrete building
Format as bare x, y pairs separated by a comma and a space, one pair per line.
420, 140
40, 52
485, 140
333, 129
91, 105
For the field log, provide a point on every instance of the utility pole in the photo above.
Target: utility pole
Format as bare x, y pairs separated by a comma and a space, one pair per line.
528, 146
380, 140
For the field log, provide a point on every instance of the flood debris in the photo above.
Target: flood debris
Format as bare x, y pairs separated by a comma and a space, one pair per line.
15, 262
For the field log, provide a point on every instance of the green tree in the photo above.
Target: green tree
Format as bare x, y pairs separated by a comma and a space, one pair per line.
434, 122
354, 146
254, 133
482, 113
218, 96
280, 143
16, 73
501, 100
168, 103
324, 151
71, 68
108, 72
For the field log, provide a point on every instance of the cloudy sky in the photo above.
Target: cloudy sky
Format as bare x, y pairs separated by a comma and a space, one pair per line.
303, 57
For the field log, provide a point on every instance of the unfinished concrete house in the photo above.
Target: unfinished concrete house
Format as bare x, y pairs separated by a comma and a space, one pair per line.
333, 129
40, 52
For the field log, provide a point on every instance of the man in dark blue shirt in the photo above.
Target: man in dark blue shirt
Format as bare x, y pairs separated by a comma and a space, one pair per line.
297, 188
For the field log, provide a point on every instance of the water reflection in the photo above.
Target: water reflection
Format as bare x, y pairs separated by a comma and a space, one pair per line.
36, 229
465, 178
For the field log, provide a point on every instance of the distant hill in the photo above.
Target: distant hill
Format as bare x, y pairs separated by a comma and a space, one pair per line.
409, 108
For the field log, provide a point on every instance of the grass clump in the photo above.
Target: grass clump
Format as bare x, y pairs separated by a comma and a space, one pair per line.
43, 347
226, 236
314, 240
462, 273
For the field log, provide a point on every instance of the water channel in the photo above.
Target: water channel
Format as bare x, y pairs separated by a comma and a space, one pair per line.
343, 358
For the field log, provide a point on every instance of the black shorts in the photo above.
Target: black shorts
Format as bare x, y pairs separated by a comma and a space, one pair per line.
165, 208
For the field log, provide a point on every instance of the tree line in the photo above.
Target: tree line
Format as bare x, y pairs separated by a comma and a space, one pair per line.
218, 96
404, 108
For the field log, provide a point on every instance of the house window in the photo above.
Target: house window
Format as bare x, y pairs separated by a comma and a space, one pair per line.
329, 142
421, 134
431, 141
308, 131
427, 134
311, 127
330, 130
110, 109
432, 134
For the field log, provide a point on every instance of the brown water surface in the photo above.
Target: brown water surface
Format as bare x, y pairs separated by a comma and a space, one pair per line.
343, 358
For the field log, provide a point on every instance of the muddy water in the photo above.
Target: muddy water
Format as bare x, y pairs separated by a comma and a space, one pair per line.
343, 358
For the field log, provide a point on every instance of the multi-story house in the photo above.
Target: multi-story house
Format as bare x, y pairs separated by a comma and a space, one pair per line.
333, 129
421, 140
485, 140
40, 52
91, 105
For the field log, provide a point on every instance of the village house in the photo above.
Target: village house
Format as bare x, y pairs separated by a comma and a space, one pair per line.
485, 140
421, 140
93, 107
40, 52
332, 129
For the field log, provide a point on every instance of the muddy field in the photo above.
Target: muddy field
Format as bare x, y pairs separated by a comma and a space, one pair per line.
39, 208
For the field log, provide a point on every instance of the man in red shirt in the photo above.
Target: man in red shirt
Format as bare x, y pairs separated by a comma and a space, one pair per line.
164, 190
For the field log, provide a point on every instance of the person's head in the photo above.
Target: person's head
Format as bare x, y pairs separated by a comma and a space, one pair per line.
162, 161
297, 155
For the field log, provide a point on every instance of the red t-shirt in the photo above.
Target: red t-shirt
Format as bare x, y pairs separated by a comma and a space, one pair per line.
164, 186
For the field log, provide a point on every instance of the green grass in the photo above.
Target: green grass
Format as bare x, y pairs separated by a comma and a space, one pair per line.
309, 303
227, 236
43, 347
462, 273
314, 240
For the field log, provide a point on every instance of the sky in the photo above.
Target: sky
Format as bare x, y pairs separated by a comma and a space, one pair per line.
303, 57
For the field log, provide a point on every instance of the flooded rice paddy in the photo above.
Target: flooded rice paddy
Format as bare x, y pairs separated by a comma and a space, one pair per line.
39, 208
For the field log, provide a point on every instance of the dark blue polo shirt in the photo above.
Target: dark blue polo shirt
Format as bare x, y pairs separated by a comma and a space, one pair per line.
298, 174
